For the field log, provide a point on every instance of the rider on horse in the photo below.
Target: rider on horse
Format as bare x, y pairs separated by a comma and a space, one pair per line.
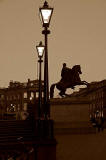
65, 71
65, 74
69, 79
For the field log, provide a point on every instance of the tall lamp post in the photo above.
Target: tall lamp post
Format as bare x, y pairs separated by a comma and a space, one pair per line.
45, 15
40, 50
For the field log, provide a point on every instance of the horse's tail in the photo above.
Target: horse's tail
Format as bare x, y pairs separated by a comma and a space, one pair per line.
52, 90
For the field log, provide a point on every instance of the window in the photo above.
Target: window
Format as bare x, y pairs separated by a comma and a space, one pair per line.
37, 94
32, 94
18, 107
2, 96
25, 107
25, 94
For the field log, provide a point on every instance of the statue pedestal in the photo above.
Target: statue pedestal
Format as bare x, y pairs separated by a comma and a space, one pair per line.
71, 115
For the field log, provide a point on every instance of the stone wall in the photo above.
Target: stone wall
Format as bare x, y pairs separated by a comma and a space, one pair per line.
70, 112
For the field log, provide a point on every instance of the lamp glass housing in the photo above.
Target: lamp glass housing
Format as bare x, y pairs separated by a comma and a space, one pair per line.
45, 14
40, 49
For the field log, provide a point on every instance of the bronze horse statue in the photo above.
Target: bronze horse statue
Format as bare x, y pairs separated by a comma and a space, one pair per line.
71, 79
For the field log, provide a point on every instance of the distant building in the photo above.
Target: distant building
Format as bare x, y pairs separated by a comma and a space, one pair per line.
16, 97
96, 93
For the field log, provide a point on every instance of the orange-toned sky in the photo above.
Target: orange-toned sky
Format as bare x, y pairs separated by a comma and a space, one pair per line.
78, 36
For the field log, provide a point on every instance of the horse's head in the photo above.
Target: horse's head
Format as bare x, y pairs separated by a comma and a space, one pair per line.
77, 68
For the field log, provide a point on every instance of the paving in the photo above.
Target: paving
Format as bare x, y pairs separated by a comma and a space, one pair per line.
81, 146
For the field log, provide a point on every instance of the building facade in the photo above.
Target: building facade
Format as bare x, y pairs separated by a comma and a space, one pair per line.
96, 94
17, 96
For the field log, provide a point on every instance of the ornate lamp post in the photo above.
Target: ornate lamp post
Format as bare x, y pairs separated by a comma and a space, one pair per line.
40, 50
45, 15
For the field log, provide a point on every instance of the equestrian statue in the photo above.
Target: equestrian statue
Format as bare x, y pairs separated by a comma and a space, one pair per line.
69, 79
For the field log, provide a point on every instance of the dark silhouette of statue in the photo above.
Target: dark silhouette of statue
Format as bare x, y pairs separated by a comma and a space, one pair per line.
64, 72
69, 79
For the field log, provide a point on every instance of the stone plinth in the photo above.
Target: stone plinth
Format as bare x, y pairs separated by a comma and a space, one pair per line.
71, 115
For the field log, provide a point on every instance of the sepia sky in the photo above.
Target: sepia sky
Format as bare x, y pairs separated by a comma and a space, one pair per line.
78, 36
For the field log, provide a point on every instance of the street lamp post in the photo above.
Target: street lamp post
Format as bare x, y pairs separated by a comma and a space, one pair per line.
40, 51
45, 15
45, 126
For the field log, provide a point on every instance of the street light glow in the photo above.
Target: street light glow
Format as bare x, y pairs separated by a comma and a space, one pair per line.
40, 49
46, 14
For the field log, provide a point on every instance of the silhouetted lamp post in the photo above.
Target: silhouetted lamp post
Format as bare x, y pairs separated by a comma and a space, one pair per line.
45, 16
40, 50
